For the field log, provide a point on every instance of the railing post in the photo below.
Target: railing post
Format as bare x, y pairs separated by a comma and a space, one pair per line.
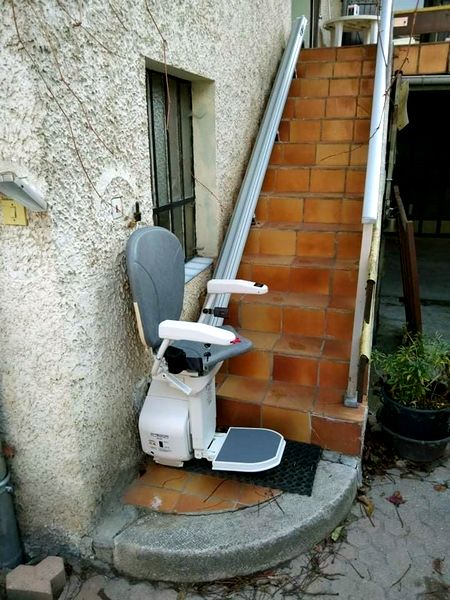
373, 192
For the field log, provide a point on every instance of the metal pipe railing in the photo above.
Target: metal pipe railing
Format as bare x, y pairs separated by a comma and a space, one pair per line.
373, 199
381, 89
241, 220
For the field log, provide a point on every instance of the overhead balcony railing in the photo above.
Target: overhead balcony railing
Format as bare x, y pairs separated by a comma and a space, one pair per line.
241, 220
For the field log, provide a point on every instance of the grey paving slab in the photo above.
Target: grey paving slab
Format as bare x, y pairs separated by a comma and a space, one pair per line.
399, 554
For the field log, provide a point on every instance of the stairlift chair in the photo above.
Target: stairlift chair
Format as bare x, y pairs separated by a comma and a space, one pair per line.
178, 419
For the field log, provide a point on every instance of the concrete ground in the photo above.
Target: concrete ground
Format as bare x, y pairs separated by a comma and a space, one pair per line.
383, 551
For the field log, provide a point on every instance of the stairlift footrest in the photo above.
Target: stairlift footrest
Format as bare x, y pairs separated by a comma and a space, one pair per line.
248, 450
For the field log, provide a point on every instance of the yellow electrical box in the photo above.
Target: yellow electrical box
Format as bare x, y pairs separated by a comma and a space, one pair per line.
12, 213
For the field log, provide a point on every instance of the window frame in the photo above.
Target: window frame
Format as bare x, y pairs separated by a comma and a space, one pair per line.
166, 209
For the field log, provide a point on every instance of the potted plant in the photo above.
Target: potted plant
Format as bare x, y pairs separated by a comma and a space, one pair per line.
415, 396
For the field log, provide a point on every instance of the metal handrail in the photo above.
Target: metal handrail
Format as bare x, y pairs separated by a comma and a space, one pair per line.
241, 220
381, 89
373, 200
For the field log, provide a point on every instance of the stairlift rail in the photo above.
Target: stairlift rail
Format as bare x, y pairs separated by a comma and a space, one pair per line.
236, 237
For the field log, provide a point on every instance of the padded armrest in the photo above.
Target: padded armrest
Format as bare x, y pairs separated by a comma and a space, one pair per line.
195, 332
235, 286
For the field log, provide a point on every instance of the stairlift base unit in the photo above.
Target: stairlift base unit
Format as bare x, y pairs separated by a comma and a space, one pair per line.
167, 424
164, 430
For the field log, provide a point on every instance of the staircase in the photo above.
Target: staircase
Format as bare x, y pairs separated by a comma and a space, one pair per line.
305, 245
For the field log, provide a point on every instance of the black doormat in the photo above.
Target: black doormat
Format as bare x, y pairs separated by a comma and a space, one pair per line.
294, 474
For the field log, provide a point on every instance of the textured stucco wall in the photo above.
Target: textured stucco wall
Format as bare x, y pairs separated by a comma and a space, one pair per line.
72, 368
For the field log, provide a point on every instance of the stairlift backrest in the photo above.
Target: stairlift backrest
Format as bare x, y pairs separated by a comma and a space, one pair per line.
155, 264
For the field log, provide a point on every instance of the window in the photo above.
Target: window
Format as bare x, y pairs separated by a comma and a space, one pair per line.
172, 163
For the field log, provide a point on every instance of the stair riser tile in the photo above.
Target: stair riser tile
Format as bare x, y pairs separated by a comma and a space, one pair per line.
316, 244
336, 435
318, 54
339, 325
260, 317
333, 374
318, 210
277, 242
277, 278
304, 130
309, 88
287, 180
332, 154
340, 107
289, 210
309, 108
337, 130
255, 364
344, 283
298, 370
315, 70
327, 180
307, 280
293, 425
348, 69
304, 322
348, 246
232, 413
355, 181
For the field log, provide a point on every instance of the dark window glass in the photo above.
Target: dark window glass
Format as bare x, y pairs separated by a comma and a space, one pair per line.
172, 163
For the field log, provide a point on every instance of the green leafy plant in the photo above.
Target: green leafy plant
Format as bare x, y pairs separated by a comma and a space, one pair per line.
417, 374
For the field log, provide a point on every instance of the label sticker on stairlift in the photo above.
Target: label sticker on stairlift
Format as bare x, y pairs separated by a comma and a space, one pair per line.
160, 442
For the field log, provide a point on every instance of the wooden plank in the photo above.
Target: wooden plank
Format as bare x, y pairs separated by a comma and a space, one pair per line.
423, 21
408, 261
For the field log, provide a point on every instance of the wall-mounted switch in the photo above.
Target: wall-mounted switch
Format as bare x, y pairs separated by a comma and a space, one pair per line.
13, 213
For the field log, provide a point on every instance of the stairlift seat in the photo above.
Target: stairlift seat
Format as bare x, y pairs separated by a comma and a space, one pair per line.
201, 358
178, 419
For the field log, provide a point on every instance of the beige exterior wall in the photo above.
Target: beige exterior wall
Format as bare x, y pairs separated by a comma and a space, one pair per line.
74, 117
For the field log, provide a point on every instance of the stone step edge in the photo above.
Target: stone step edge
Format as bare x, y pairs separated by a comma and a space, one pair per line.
185, 548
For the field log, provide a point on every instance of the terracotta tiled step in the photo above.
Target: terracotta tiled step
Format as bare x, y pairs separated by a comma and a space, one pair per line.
289, 274
310, 210
325, 130
307, 241
310, 321
342, 69
318, 180
329, 108
344, 53
321, 153
172, 490
300, 412
323, 88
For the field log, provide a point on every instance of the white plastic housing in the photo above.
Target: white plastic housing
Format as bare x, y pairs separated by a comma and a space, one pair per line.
195, 332
235, 286
164, 429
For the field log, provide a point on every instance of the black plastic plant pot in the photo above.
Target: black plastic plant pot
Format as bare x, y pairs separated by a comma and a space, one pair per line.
415, 423
415, 450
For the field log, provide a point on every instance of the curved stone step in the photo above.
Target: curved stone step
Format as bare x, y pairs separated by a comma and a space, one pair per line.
209, 547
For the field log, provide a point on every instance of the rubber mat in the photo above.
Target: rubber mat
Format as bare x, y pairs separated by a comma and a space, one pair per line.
295, 473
